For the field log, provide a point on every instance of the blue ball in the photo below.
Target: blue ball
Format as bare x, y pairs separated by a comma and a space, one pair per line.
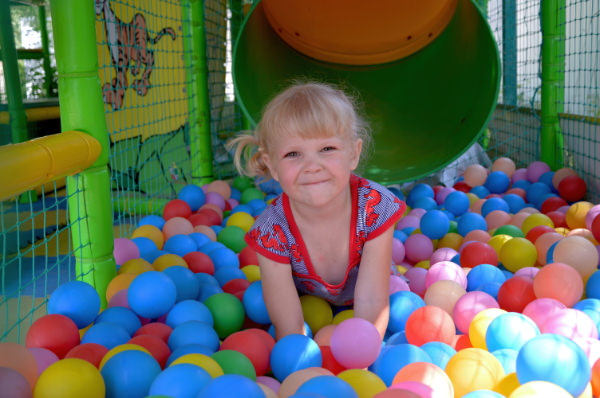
483, 273
497, 182
224, 257
523, 184
151, 294
152, 256
536, 191
208, 290
490, 288
189, 349
592, 286
508, 359
418, 191
129, 373
510, 330
157, 221
193, 195
204, 278
200, 239
241, 208
145, 245
434, 224
546, 178
425, 202
210, 246
121, 316
440, 353
480, 191
294, 352
193, 332
554, 358
106, 334
231, 386
216, 228
397, 357
189, 310
180, 244
76, 300
457, 203
397, 338
397, 192
257, 206
328, 387
514, 201
402, 304
225, 274
254, 304
400, 235
469, 222
186, 283
235, 194
493, 204
180, 381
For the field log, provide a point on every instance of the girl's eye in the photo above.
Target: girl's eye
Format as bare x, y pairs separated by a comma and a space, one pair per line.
328, 149
292, 154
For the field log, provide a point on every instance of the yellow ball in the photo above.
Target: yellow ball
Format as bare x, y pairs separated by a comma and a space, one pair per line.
498, 241
135, 266
539, 389
508, 384
205, 362
342, 316
365, 383
575, 216
518, 253
252, 272
423, 264
317, 312
151, 232
168, 260
472, 198
241, 219
479, 326
70, 378
451, 240
120, 348
473, 369
534, 220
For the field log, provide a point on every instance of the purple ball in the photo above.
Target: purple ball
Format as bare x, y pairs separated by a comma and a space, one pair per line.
418, 247
442, 193
124, 250
408, 221
216, 199
519, 174
536, 169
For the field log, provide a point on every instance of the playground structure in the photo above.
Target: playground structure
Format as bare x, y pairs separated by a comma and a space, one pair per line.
160, 117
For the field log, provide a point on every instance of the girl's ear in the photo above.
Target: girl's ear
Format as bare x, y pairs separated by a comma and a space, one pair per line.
356, 149
267, 161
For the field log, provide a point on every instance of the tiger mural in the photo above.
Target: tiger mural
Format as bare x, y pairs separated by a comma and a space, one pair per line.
130, 49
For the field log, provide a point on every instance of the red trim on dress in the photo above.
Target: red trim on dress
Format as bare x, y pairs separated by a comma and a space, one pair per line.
264, 252
391, 221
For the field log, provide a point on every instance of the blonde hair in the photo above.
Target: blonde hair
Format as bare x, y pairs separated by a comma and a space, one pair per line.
307, 110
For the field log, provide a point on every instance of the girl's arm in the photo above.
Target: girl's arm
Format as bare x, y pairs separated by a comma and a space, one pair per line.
371, 295
281, 297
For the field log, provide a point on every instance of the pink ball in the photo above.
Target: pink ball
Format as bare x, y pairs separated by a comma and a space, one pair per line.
233, 202
408, 221
44, 357
519, 174
14, 384
270, 382
124, 250
417, 212
398, 251
536, 169
418, 247
355, 343
119, 299
469, 305
529, 272
540, 309
398, 284
440, 197
177, 225
590, 346
443, 254
422, 390
216, 199
590, 215
571, 323
446, 270
416, 278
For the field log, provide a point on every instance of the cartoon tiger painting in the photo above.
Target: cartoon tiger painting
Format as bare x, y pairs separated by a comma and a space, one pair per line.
129, 45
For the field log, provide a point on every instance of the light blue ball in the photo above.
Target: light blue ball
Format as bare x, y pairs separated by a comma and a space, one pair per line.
121, 316
483, 273
193, 332
193, 195
328, 386
180, 381
508, 359
145, 245
397, 357
402, 305
106, 334
189, 310
155, 220
76, 300
483, 394
469, 222
186, 283
254, 304
440, 353
294, 352
510, 330
151, 294
434, 224
457, 203
129, 373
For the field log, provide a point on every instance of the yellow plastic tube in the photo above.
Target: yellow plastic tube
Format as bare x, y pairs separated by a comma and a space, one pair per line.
26, 165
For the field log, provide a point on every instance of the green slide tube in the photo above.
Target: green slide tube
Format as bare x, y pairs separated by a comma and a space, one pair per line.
425, 110
82, 108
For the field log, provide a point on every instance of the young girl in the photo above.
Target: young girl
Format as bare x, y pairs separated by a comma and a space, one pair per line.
329, 234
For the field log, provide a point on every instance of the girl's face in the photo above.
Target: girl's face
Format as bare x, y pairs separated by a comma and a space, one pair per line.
313, 171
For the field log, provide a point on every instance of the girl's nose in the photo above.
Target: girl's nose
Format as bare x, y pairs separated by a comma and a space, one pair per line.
312, 163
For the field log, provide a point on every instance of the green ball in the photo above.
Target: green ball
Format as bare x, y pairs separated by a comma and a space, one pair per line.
511, 230
234, 362
453, 227
251, 193
228, 313
242, 183
232, 236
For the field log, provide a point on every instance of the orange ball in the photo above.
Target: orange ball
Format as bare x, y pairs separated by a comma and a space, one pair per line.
323, 335
517, 219
496, 219
543, 243
177, 225
219, 186
576, 213
475, 175
294, 380
135, 266
504, 164
560, 282
168, 260
119, 282
429, 374
478, 235
430, 323
206, 230
151, 232
444, 294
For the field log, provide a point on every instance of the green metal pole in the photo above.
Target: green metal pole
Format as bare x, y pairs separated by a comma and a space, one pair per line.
82, 108
16, 111
45, 51
199, 102
553, 17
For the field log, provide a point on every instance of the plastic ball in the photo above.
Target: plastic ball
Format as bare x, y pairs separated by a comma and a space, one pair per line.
444, 294
289, 386
177, 225
497, 182
556, 359
518, 253
536, 169
434, 224
560, 282
476, 253
516, 293
355, 343
364, 382
183, 380
579, 253
118, 349
58, 381
572, 188
430, 323
445, 270
497, 218
155, 346
540, 309
149, 232
457, 203
473, 369
468, 306
43, 357
395, 357
151, 294
227, 311
294, 352
479, 325
18, 358
571, 323
189, 354
539, 388
510, 330
180, 244
575, 215
418, 247
188, 310
483, 273
135, 266
14, 384
534, 220
252, 346
77, 300
475, 175
440, 353
232, 236
469, 222
427, 374
205, 362
125, 249
158, 329
193, 195
402, 304
317, 312
234, 362
120, 316
129, 373
107, 334
328, 387
90, 352
54, 332
176, 208
507, 165
193, 332
552, 203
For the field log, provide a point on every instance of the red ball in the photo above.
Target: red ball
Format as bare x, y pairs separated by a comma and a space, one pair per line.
462, 186
54, 332
430, 323
538, 231
199, 262
155, 345
91, 352
176, 208
461, 342
236, 285
515, 293
476, 253
252, 346
158, 329
210, 215
247, 257
558, 218
596, 228
329, 361
200, 219
572, 188
553, 203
